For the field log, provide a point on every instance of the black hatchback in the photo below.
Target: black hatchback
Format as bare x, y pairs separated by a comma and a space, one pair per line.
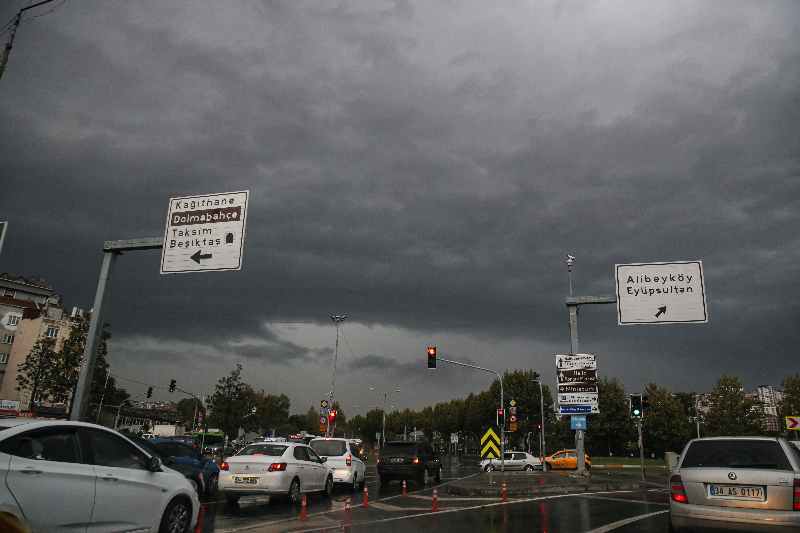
408, 460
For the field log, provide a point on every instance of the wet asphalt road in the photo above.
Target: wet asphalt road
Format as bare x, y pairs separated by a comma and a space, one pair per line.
388, 511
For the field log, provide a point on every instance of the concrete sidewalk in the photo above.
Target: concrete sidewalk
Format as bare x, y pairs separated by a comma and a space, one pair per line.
534, 483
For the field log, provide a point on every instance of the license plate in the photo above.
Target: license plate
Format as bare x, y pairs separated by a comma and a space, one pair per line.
736, 491
397, 460
245, 480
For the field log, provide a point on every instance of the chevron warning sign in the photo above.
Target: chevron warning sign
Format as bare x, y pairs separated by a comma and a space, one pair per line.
490, 443
793, 422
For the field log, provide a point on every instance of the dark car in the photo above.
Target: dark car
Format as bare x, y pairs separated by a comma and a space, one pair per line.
408, 460
191, 440
194, 477
183, 453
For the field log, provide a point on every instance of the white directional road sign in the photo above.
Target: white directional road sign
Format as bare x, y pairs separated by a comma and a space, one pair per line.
205, 233
586, 398
661, 293
569, 362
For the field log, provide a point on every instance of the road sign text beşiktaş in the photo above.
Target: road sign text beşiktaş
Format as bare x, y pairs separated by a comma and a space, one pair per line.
205, 233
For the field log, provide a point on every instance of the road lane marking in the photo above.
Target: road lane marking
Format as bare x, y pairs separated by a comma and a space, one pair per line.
620, 523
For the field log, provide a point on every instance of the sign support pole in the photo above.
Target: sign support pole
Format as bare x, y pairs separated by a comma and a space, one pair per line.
573, 302
112, 249
641, 448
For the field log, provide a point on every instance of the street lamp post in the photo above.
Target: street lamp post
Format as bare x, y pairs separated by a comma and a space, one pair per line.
537, 378
383, 426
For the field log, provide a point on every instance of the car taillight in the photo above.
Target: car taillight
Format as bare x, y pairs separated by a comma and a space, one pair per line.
676, 491
348, 460
797, 494
416, 460
223, 466
277, 467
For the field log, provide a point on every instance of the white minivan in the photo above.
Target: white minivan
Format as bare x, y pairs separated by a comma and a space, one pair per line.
344, 457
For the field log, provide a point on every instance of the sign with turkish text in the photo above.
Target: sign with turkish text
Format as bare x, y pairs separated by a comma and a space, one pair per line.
567, 362
578, 422
205, 233
578, 409
576, 376
577, 399
577, 387
661, 293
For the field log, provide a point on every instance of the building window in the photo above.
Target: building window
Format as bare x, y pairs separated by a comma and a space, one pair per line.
9, 293
13, 320
3, 358
8, 339
52, 332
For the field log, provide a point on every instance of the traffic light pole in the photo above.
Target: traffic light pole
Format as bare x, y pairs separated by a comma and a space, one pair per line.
641, 448
503, 425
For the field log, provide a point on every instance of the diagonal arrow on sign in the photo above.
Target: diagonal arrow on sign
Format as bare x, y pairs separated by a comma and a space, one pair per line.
793, 422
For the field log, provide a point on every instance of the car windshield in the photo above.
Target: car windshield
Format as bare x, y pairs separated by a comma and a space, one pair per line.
271, 450
329, 447
736, 453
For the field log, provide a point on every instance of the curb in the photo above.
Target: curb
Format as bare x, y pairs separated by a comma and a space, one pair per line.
456, 490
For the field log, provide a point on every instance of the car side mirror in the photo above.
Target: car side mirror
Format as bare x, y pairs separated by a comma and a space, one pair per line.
155, 463
324, 459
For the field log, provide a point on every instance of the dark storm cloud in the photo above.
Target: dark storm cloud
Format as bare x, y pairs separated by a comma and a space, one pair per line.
418, 166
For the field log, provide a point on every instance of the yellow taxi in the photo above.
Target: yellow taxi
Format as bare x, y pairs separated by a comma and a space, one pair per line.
565, 460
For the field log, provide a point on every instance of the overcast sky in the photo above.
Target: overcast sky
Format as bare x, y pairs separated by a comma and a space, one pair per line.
422, 167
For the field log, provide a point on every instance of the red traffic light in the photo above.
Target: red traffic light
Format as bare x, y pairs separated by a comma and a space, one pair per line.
499, 412
333, 415
432, 357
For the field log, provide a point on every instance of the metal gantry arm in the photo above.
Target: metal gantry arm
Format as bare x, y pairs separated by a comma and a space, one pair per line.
503, 426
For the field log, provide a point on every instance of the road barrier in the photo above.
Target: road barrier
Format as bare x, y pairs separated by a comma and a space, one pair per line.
404, 488
347, 509
200, 516
435, 500
365, 497
303, 510
505, 496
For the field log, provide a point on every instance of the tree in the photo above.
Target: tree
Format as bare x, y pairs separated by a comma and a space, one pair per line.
187, 409
664, 425
230, 403
731, 412
790, 406
612, 430
36, 369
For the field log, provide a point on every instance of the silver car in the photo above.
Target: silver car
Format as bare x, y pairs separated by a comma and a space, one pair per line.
736, 483
513, 461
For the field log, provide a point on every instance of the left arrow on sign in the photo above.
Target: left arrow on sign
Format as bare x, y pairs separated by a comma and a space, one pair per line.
199, 255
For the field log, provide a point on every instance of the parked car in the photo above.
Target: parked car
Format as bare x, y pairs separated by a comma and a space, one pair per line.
183, 453
725, 483
512, 461
74, 476
565, 460
193, 475
275, 469
191, 440
408, 460
220, 449
344, 458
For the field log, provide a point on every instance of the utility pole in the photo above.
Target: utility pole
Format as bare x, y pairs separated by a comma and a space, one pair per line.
573, 302
7, 49
338, 320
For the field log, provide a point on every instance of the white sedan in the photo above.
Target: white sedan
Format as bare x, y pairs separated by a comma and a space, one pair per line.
72, 476
513, 461
284, 469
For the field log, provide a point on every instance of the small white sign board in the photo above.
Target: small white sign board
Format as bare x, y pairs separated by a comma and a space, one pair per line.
569, 362
661, 293
584, 398
205, 233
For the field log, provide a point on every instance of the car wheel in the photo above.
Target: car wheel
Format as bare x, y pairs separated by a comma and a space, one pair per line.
213, 485
176, 517
294, 492
355, 482
328, 487
232, 498
528, 468
438, 476
423, 478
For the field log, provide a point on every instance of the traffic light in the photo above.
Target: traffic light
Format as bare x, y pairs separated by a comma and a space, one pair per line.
172, 386
432, 357
332, 417
644, 402
150, 392
636, 406
501, 418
